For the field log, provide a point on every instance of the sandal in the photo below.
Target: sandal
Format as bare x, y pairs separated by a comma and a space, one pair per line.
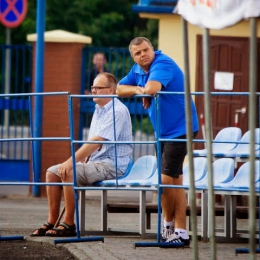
42, 231
67, 231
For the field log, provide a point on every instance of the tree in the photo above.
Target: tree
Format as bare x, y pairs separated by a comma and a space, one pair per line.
109, 23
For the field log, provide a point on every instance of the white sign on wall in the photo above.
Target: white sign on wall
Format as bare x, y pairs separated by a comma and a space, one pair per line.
224, 80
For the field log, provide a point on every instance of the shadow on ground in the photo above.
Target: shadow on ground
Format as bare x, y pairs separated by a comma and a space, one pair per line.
32, 250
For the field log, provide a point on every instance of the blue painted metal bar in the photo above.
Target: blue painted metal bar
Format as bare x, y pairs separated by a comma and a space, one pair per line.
31, 130
160, 189
39, 72
10, 238
153, 9
34, 94
158, 147
35, 139
177, 93
155, 6
23, 183
72, 136
114, 126
114, 142
246, 251
211, 93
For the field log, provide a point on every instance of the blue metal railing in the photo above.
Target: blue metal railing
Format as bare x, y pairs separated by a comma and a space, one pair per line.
15, 75
14, 110
73, 143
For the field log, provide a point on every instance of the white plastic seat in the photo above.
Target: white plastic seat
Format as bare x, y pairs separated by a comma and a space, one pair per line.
242, 179
222, 146
243, 150
149, 182
143, 168
200, 170
223, 171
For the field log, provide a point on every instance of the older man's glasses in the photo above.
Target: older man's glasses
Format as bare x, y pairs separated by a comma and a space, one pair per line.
97, 88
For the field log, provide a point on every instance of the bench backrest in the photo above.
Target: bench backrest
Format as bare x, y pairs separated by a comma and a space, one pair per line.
223, 171
143, 168
200, 170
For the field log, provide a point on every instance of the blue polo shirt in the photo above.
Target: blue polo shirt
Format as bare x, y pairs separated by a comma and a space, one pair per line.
164, 70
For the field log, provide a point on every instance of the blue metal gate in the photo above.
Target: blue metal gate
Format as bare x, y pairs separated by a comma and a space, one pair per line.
15, 77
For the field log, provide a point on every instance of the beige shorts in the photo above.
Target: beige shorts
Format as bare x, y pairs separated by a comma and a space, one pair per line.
90, 172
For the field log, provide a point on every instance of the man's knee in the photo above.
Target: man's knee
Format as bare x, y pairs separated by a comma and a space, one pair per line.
168, 180
51, 177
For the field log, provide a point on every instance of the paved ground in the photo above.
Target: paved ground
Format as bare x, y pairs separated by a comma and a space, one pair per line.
22, 214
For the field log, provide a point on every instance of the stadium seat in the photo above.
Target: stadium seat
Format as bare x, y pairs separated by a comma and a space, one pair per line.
221, 145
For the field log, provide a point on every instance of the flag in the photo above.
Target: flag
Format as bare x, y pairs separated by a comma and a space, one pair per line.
217, 14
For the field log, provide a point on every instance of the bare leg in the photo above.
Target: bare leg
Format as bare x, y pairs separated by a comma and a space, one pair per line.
54, 197
174, 202
180, 205
167, 199
69, 202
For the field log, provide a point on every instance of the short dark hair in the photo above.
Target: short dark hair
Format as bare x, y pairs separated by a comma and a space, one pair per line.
137, 41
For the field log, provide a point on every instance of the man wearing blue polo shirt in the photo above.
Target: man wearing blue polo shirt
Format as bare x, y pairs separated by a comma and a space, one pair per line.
154, 71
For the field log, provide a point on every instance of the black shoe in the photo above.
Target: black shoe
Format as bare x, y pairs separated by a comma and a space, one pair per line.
175, 238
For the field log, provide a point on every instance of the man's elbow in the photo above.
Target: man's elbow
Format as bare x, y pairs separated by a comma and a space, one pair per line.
150, 91
152, 87
119, 90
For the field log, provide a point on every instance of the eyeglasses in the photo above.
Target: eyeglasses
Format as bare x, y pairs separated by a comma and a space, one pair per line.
97, 88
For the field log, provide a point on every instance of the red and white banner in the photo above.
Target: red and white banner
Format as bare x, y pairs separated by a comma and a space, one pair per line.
217, 14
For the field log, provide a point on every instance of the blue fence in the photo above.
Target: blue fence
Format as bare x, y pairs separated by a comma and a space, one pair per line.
16, 74
15, 77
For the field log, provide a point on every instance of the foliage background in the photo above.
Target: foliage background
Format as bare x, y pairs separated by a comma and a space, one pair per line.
109, 23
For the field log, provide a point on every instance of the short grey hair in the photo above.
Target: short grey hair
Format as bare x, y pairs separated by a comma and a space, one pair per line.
139, 40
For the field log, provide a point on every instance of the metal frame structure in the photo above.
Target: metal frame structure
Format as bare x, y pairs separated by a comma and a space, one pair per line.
206, 60
34, 154
207, 105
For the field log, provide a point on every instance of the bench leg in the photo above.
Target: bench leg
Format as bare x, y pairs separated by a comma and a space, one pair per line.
82, 211
204, 217
233, 216
104, 211
142, 213
148, 220
227, 216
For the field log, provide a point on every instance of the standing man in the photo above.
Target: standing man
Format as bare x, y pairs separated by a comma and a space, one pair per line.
99, 62
154, 71
111, 122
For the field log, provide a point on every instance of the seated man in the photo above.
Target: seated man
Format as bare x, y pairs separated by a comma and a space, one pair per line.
94, 162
